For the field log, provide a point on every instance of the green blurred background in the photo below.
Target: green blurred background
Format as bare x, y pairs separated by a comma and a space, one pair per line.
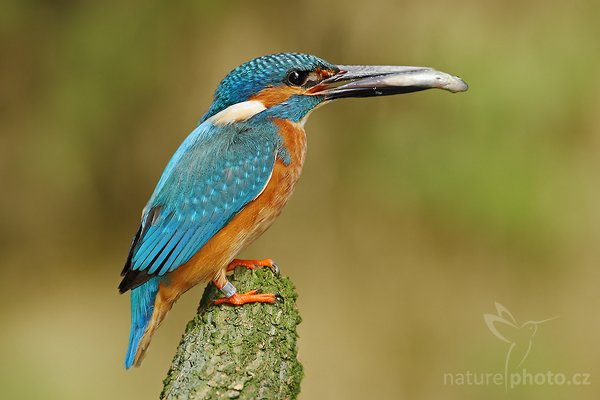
414, 214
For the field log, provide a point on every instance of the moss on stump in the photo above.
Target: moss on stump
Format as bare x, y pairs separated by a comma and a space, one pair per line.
245, 352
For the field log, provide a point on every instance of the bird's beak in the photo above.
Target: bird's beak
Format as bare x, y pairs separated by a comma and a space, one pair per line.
544, 320
367, 81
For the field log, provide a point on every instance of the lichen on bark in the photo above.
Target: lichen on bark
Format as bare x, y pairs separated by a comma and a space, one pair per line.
245, 352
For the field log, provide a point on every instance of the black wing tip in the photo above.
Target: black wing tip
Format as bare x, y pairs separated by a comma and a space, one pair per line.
133, 279
130, 277
122, 287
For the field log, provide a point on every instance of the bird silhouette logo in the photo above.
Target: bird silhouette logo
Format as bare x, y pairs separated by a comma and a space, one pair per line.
519, 337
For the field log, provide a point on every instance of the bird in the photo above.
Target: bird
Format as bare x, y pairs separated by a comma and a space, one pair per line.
519, 337
233, 174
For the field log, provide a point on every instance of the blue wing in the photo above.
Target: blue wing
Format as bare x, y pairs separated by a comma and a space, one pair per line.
215, 172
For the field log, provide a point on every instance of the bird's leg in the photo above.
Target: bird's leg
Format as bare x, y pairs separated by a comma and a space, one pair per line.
252, 264
237, 299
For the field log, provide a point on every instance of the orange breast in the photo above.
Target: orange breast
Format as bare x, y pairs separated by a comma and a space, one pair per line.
249, 224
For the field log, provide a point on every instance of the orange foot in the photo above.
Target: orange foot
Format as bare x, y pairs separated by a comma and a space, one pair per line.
252, 264
252, 296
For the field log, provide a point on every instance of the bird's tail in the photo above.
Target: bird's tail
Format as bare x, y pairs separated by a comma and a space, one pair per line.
143, 298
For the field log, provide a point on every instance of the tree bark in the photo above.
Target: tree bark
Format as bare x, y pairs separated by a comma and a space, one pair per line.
245, 352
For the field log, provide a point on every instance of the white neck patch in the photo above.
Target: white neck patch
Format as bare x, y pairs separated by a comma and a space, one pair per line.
237, 112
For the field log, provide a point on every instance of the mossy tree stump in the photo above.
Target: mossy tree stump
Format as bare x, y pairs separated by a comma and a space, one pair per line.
246, 352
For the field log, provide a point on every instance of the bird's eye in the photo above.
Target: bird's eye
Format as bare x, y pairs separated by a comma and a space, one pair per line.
297, 78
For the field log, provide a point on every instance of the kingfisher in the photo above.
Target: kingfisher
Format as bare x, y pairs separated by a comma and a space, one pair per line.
233, 174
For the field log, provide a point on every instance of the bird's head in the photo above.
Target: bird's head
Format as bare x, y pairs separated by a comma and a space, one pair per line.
290, 85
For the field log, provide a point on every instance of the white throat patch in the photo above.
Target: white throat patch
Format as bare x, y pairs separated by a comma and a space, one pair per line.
237, 112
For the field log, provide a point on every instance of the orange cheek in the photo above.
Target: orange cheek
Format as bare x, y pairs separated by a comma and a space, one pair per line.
274, 95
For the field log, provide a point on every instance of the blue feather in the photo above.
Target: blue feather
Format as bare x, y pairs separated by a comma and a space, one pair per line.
152, 238
171, 262
167, 251
216, 171
142, 304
